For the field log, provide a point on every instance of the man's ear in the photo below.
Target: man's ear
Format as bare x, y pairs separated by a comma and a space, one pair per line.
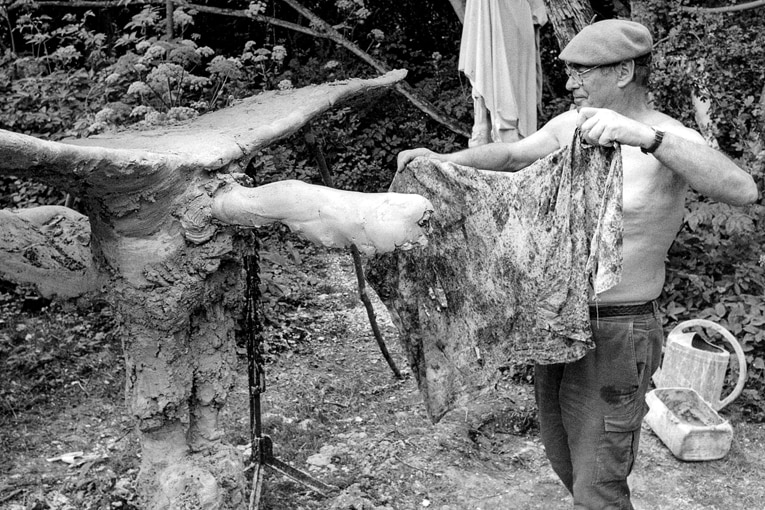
625, 72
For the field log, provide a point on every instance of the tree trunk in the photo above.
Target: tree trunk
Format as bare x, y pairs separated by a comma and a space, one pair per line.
178, 336
169, 19
701, 113
568, 18
157, 202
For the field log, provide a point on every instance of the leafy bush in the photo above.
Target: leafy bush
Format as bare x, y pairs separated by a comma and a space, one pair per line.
716, 264
72, 77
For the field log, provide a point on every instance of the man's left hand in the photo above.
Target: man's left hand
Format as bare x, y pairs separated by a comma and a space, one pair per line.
604, 127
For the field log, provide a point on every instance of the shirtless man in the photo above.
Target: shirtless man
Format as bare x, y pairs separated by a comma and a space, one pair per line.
590, 411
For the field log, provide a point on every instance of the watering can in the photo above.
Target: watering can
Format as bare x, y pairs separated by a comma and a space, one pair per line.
692, 362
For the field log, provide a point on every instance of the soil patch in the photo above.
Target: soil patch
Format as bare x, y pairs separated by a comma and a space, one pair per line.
332, 408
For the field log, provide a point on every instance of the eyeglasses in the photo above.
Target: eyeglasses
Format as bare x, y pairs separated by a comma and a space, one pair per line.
578, 75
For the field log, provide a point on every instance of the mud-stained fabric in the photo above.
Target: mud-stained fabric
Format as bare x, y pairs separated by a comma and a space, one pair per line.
512, 262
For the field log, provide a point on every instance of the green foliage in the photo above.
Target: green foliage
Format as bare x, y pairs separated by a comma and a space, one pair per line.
19, 193
48, 89
715, 267
85, 87
717, 274
71, 75
41, 105
361, 141
51, 348
719, 58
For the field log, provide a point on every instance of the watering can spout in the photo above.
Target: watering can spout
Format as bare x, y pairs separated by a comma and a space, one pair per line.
692, 362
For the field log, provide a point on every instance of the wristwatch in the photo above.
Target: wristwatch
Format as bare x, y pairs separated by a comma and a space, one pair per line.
658, 136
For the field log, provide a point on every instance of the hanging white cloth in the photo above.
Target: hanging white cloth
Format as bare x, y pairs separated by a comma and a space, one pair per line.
498, 54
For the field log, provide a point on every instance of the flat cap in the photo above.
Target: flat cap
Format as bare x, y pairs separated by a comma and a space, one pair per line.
608, 42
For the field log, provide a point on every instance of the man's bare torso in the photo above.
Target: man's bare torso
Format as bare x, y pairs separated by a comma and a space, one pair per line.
653, 206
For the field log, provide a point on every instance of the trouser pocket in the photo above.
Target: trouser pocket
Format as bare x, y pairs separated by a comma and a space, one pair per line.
618, 447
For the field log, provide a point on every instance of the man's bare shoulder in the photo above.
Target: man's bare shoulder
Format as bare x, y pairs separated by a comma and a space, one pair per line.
562, 127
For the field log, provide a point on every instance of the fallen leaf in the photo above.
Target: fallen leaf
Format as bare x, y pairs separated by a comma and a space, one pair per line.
69, 458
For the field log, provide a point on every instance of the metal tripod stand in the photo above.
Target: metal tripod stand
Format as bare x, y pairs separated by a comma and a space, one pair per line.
262, 446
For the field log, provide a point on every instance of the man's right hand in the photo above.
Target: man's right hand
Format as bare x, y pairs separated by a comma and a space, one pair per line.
406, 157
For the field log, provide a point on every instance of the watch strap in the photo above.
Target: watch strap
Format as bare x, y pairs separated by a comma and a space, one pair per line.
658, 136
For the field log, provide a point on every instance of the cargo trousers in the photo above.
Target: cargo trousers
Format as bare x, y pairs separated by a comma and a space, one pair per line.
591, 410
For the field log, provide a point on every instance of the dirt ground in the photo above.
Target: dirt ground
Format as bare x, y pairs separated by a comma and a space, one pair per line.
332, 408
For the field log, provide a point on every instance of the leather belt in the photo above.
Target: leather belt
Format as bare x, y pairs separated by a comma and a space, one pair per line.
602, 311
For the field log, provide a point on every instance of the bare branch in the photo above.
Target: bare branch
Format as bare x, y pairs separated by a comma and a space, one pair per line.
729, 8
169, 7
236, 13
241, 13
326, 177
403, 88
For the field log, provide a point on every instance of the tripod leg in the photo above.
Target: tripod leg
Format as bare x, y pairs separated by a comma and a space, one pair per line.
257, 486
301, 477
266, 456
263, 453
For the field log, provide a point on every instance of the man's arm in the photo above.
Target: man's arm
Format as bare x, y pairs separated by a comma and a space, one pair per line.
502, 157
706, 170
682, 150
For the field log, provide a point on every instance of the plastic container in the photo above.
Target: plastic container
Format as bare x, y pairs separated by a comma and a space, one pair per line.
687, 424
691, 362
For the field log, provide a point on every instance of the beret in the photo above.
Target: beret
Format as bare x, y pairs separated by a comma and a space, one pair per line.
608, 42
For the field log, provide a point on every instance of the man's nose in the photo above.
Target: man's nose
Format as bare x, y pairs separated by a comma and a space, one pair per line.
572, 83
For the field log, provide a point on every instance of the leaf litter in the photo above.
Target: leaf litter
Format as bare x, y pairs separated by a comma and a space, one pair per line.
332, 408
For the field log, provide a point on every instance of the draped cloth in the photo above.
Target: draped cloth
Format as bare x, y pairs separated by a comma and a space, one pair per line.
498, 54
511, 265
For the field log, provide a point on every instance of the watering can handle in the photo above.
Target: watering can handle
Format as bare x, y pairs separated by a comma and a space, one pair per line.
736, 347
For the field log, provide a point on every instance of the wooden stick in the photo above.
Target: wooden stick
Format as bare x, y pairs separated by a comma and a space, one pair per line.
310, 139
370, 310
